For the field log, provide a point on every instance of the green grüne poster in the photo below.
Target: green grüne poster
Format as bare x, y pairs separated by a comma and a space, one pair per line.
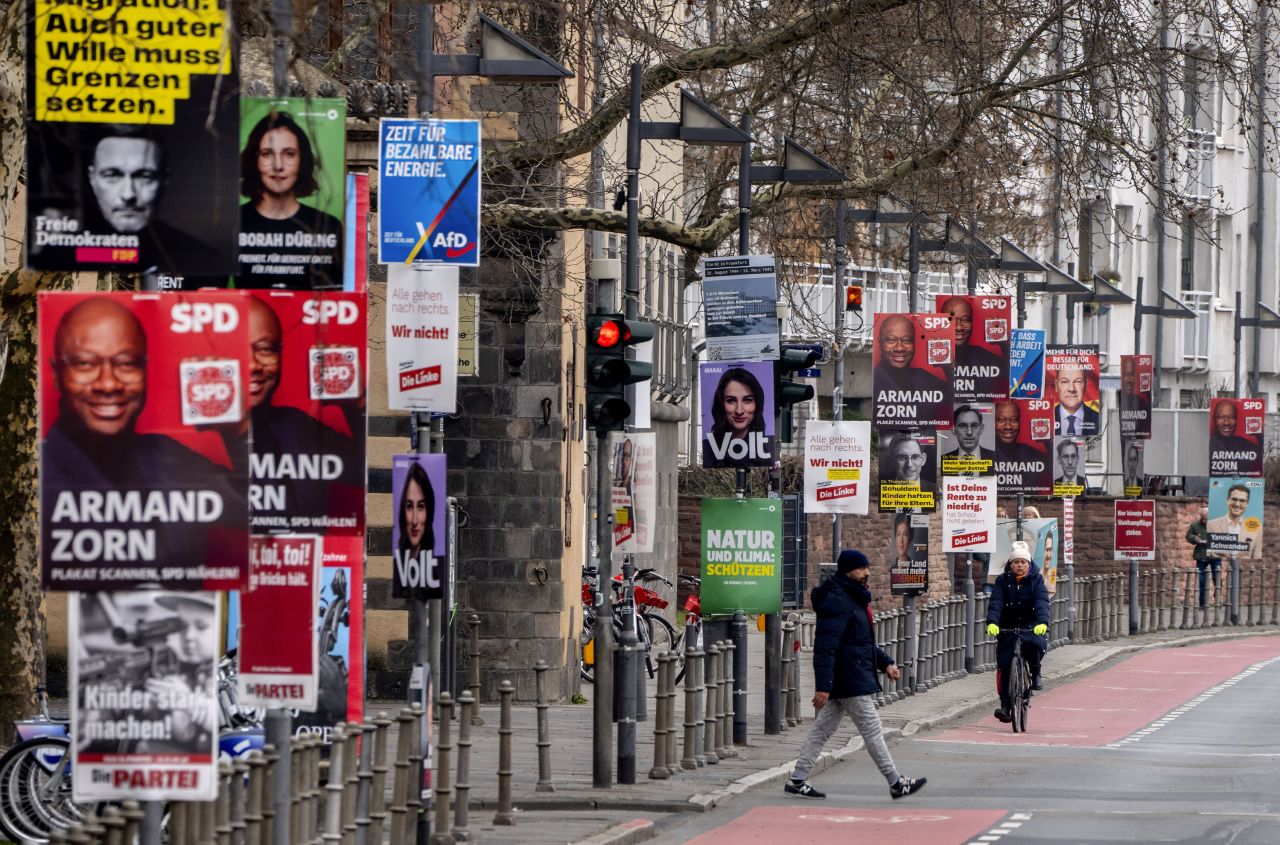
741, 556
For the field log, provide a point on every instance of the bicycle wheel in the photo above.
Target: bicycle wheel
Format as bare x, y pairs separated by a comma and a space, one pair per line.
586, 653
1019, 692
694, 633
662, 637
35, 790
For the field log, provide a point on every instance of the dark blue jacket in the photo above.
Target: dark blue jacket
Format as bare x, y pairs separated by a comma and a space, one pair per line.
845, 655
1020, 604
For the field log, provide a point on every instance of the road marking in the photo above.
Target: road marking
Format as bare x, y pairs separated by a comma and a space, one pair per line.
873, 819
998, 832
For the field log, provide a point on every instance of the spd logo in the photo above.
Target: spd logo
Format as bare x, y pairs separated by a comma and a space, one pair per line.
194, 317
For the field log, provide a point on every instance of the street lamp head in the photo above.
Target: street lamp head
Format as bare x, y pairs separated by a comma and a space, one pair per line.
701, 124
506, 57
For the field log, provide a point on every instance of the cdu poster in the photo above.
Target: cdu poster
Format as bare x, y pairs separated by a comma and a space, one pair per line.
131, 146
837, 467
982, 345
1235, 516
737, 414
429, 191
741, 556
911, 364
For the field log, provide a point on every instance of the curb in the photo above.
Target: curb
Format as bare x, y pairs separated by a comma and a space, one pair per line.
636, 830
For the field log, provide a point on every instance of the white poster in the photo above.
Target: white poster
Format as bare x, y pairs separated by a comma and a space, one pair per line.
144, 708
837, 458
633, 466
422, 338
1068, 531
740, 305
968, 515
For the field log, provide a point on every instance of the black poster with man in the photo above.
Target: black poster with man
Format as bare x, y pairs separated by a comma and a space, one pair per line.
981, 371
1024, 440
1235, 437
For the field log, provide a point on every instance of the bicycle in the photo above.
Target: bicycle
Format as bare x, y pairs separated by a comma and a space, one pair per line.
1019, 681
692, 623
655, 631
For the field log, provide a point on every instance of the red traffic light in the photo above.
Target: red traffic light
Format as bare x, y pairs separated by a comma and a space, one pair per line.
853, 298
608, 334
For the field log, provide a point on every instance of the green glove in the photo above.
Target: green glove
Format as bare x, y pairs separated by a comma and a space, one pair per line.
1040, 630
992, 629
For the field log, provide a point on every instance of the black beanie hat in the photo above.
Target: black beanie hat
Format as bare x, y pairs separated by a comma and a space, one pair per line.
851, 559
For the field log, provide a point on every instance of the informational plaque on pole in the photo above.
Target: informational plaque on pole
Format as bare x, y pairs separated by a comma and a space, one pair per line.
740, 308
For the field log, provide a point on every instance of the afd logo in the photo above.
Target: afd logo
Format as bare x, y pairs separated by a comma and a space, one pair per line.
454, 244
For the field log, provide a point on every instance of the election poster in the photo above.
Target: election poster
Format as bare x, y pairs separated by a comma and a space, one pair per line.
339, 639
1069, 481
741, 556
1026, 364
1040, 534
1235, 517
422, 338
1135, 529
737, 414
1131, 454
144, 441
144, 703
911, 363
469, 334
837, 467
418, 539
1071, 373
968, 514
1024, 439
355, 243
293, 180
307, 407
277, 653
909, 569
634, 472
908, 470
1068, 531
1136, 377
429, 191
982, 325
740, 308
132, 114
968, 448
1235, 437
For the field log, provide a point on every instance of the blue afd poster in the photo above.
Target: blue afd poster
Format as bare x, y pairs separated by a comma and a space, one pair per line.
1026, 364
429, 192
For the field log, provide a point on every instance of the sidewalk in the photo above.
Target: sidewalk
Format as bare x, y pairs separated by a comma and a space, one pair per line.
578, 813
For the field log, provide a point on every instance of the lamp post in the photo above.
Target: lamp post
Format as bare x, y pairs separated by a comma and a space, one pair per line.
1103, 293
1170, 307
1265, 318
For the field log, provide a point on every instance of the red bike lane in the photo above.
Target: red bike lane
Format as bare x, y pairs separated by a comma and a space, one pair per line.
1113, 704
819, 824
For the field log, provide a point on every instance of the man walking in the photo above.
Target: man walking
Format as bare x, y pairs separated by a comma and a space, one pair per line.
845, 661
1198, 536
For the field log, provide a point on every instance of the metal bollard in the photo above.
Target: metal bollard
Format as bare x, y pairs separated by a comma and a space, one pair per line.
462, 788
711, 723
659, 770
473, 667
444, 760
698, 670
178, 821
402, 784
673, 733
788, 631
133, 814
378, 786
504, 816
690, 760
113, 824
727, 683
207, 823
332, 824
364, 785
544, 730
253, 800
356, 740
738, 648
236, 800
222, 807
266, 794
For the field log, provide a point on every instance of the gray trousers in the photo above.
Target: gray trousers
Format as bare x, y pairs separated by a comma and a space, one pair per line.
862, 710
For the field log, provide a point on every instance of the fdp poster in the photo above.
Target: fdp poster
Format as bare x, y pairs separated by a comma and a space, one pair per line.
740, 307
909, 556
982, 325
1136, 378
1072, 376
737, 414
132, 146
1235, 437
969, 447
968, 514
911, 378
741, 556
837, 467
144, 703
429, 191
1135, 529
1026, 364
1024, 439
277, 653
422, 338
1131, 455
292, 193
908, 470
419, 547
1235, 516
145, 448
634, 473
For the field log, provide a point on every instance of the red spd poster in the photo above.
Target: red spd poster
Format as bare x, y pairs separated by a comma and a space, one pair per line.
1235, 437
912, 360
1024, 439
982, 345
307, 382
1071, 384
1136, 379
1135, 535
278, 649
144, 440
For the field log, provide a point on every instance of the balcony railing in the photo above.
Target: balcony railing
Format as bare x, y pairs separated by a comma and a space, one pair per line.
1195, 333
1202, 149
883, 291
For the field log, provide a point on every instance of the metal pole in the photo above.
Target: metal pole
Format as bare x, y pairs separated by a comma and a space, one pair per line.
282, 16
1237, 334
913, 268
1137, 319
1260, 201
1162, 141
837, 344
426, 54
1133, 597
738, 633
744, 190
278, 727
969, 614
1235, 590
602, 703
151, 832
913, 644
423, 633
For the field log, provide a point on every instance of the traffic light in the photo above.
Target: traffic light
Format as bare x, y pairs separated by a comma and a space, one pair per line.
787, 392
853, 299
608, 370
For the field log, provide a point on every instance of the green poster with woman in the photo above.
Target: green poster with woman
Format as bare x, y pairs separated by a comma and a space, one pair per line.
741, 556
292, 192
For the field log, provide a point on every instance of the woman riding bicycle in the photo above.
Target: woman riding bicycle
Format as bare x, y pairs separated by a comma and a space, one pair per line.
1019, 599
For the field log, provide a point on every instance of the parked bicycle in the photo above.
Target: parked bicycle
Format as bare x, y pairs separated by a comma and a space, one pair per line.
651, 630
692, 629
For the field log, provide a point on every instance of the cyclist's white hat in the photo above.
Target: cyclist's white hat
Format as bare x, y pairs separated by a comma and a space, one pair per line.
1019, 551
